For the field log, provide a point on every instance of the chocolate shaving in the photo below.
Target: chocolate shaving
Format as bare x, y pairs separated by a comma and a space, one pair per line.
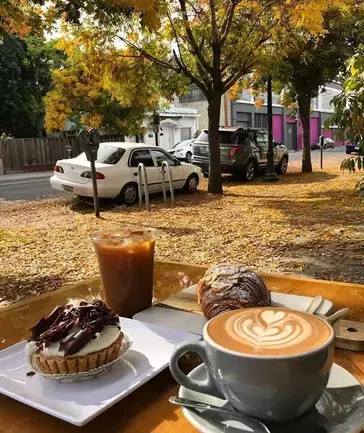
30, 373
73, 327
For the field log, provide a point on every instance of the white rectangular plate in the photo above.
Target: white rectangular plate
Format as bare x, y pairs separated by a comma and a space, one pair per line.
79, 403
192, 322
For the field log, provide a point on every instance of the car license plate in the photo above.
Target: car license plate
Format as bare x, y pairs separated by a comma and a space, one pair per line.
203, 149
68, 188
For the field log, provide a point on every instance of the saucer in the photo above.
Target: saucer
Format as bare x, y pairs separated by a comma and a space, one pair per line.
339, 410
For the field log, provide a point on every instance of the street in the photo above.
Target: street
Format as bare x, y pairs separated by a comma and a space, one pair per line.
35, 186
27, 186
331, 157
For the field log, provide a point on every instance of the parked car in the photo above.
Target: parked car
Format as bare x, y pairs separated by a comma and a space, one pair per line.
352, 146
243, 152
328, 143
117, 174
183, 150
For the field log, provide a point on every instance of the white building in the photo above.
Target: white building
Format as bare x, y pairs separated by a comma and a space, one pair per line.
176, 124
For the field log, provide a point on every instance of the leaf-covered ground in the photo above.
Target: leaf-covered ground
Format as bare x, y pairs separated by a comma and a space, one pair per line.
311, 224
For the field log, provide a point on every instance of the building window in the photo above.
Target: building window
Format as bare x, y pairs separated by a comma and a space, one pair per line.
276, 99
194, 94
260, 120
185, 134
246, 96
243, 119
314, 103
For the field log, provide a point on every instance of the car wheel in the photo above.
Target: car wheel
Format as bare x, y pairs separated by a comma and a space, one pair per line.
348, 152
128, 195
189, 157
191, 184
282, 166
249, 171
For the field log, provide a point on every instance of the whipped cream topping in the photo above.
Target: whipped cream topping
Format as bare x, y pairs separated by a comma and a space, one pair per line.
102, 340
75, 330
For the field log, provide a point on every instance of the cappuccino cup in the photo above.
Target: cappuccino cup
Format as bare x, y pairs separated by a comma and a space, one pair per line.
269, 363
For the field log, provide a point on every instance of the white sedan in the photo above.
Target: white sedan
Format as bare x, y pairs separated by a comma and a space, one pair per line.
183, 150
117, 172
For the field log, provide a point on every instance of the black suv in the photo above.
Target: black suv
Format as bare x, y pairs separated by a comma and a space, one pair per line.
243, 152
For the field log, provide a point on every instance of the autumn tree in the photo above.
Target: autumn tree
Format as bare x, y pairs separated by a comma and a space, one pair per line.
19, 17
213, 43
314, 61
105, 86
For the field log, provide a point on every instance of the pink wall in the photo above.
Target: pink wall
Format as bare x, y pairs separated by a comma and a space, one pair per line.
327, 133
314, 129
277, 127
330, 133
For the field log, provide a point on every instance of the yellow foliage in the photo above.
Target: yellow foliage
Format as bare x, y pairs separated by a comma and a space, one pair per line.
258, 103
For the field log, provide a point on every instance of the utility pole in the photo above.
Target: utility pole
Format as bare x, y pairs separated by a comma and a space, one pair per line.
270, 175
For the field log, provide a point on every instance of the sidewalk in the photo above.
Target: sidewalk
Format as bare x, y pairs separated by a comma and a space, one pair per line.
9, 177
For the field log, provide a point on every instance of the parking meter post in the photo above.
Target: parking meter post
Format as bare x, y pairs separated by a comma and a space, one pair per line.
90, 142
94, 186
322, 152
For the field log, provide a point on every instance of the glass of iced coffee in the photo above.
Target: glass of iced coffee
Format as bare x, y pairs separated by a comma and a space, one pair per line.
126, 263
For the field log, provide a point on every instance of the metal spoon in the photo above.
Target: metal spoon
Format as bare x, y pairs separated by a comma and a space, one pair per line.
210, 408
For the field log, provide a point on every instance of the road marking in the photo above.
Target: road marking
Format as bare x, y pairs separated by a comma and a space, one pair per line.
25, 181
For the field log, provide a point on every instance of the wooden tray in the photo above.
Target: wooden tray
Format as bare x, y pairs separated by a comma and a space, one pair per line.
182, 312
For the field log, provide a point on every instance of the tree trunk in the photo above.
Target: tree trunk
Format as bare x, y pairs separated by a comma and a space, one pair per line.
215, 181
304, 108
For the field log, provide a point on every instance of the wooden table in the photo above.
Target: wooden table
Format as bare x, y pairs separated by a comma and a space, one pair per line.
147, 409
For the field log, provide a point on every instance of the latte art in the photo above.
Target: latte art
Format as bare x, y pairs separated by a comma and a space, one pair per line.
269, 328
268, 331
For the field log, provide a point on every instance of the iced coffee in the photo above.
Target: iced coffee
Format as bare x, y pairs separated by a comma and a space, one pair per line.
126, 262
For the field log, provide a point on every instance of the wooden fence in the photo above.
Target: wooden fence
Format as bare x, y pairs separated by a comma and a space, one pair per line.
34, 154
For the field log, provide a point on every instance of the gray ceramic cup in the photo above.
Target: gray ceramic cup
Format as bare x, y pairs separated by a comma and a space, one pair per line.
276, 388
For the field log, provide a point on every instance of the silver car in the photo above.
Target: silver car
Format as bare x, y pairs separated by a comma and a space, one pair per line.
243, 152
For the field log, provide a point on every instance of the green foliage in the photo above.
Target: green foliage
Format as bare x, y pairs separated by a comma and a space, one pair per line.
349, 105
24, 80
352, 163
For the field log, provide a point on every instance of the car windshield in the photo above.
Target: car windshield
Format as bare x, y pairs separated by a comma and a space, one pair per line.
106, 155
181, 144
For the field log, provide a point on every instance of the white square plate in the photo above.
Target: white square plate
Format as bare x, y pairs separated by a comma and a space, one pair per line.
79, 403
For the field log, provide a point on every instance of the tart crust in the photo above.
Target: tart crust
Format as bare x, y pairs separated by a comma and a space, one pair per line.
78, 364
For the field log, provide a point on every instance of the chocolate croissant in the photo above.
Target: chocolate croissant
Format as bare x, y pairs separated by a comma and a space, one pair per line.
227, 287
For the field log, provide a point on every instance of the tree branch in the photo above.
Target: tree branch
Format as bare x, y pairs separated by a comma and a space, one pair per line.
214, 33
188, 74
235, 76
175, 36
225, 29
148, 56
192, 39
247, 35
